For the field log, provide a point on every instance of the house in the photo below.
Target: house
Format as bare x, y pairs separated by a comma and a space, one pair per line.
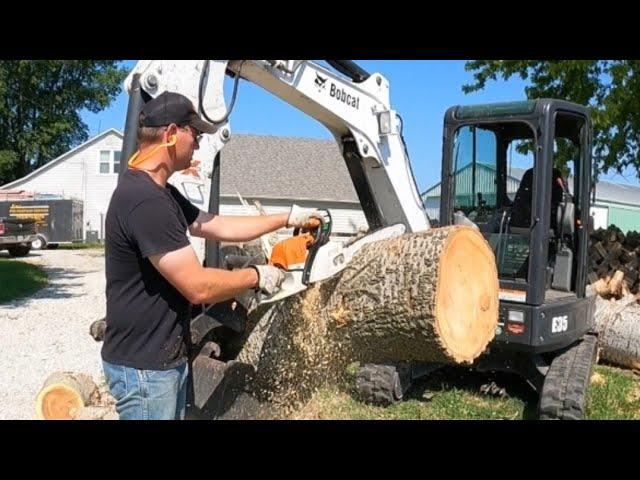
276, 171
88, 172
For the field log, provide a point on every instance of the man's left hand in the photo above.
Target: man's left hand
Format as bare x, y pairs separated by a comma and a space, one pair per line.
304, 218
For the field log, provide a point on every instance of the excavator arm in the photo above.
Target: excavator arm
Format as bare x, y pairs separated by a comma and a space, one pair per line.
353, 105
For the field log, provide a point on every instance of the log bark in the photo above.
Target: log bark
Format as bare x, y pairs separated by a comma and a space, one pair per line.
63, 394
97, 329
429, 296
618, 325
94, 413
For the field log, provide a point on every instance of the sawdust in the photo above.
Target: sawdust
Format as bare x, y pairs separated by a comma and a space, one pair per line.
328, 405
634, 395
309, 304
478, 402
340, 316
597, 379
301, 353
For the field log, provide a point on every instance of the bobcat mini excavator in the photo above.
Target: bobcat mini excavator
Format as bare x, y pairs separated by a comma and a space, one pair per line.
544, 316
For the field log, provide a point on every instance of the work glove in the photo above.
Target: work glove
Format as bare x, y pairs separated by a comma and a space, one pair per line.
304, 218
270, 278
269, 281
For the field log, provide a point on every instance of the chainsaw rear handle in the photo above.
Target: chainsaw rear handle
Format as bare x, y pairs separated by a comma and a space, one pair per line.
324, 230
322, 236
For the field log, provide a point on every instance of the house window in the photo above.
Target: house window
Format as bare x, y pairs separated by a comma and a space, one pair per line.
116, 161
105, 161
109, 158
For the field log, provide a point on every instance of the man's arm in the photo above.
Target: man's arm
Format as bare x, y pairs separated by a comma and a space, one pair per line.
245, 228
230, 228
198, 284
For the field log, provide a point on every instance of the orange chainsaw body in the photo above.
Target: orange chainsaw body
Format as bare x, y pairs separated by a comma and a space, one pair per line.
292, 251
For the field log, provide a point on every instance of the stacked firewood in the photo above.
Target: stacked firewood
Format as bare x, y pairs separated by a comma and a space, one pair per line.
614, 262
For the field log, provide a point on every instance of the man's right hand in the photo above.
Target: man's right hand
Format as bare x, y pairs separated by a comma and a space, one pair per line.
269, 278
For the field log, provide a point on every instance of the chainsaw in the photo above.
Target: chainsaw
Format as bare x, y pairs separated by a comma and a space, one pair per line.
309, 256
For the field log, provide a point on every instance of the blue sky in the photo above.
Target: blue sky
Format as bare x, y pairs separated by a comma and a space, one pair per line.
421, 91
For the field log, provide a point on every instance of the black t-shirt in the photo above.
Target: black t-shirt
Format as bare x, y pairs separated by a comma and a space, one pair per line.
147, 318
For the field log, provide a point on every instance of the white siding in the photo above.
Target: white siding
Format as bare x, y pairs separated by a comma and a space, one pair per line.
78, 176
64, 178
100, 186
600, 217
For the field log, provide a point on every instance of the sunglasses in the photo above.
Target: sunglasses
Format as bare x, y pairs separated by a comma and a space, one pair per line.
196, 134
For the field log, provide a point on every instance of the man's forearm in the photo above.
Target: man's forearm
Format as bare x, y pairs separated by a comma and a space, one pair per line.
238, 228
215, 285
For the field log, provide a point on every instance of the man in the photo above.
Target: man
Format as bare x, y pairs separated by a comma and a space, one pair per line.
153, 273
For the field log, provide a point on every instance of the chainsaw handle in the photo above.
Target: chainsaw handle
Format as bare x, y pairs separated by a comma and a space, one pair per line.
315, 233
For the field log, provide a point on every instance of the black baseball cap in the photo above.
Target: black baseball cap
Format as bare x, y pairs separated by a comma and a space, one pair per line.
171, 107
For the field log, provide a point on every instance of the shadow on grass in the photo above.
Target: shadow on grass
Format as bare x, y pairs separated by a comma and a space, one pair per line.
51, 288
472, 382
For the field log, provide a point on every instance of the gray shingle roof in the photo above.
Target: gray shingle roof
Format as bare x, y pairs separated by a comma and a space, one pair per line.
285, 168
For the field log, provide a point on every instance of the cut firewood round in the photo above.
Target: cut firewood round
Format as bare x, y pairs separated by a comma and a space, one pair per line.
615, 285
63, 394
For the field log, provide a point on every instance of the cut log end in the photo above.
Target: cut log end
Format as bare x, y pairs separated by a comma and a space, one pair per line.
467, 295
63, 394
58, 402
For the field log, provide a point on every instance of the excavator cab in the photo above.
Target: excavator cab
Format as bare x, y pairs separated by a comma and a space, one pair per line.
521, 173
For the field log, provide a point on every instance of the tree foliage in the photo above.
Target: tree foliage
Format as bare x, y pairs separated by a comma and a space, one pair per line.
611, 88
40, 104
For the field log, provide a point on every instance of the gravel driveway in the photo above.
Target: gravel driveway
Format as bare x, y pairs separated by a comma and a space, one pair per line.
50, 331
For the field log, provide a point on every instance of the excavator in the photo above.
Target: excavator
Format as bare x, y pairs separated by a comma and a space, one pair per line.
545, 327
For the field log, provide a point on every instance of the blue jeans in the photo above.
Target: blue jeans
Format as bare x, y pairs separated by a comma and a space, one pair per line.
148, 394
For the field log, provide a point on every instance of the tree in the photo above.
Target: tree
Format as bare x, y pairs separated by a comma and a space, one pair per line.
610, 87
40, 102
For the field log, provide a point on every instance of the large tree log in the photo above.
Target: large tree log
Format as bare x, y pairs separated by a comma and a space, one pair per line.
618, 325
430, 296
63, 394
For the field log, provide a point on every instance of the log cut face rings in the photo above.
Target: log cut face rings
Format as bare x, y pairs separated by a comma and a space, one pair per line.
466, 295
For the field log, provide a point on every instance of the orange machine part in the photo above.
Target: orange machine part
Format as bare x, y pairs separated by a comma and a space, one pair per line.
291, 251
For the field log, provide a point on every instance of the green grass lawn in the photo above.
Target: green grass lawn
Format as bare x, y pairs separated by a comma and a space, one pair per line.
455, 394
19, 279
614, 394
79, 246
